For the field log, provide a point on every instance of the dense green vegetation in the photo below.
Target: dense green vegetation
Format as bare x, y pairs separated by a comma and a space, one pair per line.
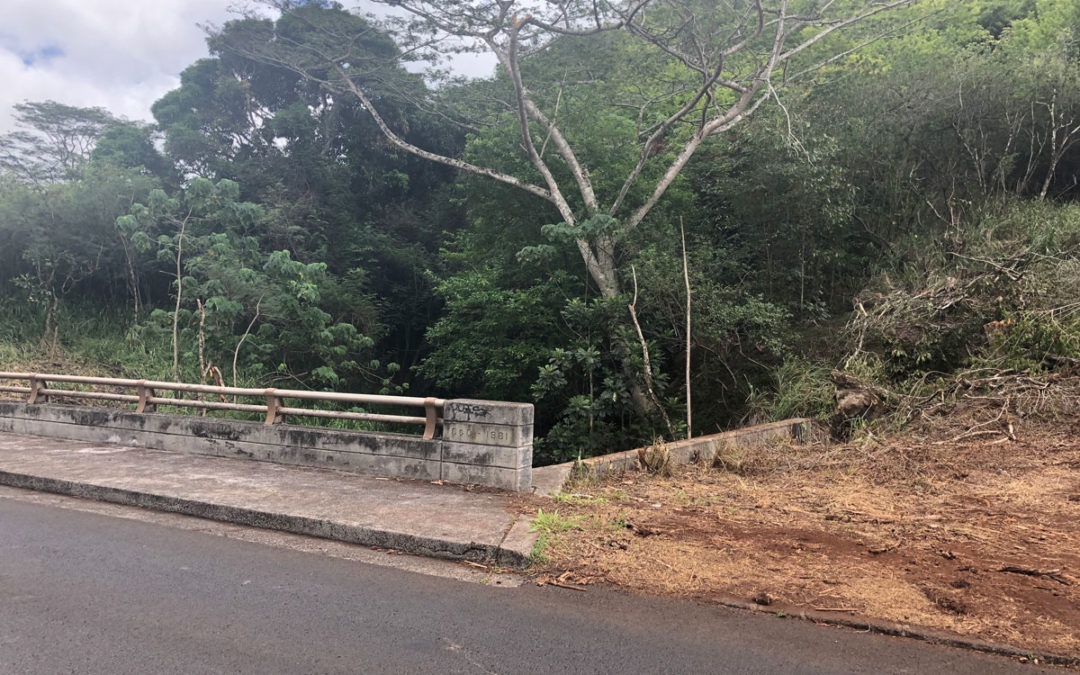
904, 208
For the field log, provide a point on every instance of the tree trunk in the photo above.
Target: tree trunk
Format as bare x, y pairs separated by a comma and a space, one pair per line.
203, 369
132, 281
51, 335
176, 311
650, 402
686, 278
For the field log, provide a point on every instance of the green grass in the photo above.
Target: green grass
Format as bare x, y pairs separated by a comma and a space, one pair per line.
553, 523
801, 389
101, 340
549, 525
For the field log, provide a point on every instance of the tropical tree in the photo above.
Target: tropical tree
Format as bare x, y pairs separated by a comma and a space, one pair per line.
320, 168
231, 294
719, 63
52, 141
695, 70
64, 236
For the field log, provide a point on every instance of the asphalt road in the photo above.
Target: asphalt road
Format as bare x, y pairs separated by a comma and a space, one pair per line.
89, 593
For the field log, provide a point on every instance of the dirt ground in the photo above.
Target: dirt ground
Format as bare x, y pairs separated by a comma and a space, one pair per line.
980, 538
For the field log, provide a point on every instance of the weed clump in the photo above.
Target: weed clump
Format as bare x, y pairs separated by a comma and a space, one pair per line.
549, 525
656, 458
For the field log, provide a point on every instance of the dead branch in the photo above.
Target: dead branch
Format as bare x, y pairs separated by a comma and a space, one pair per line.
1054, 574
686, 279
247, 331
647, 366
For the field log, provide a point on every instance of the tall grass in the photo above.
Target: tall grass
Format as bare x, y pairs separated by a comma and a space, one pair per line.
100, 340
801, 388
103, 341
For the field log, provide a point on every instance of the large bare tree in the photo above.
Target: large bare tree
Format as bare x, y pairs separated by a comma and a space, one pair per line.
722, 60
731, 57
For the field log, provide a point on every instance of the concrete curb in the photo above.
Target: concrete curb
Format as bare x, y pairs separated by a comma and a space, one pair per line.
514, 550
921, 633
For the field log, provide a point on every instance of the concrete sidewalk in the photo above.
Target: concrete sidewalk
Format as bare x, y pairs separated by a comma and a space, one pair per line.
443, 521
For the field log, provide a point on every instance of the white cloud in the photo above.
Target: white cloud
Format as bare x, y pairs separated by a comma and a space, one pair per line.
121, 55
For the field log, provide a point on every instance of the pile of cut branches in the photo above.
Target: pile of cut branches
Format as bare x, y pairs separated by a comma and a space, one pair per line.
939, 325
985, 338
977, 402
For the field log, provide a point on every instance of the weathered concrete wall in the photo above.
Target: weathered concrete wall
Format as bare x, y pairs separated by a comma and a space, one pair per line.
492, 443
550, 479
705, 448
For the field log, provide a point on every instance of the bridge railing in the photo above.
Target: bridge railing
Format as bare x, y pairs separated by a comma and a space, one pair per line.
41, 388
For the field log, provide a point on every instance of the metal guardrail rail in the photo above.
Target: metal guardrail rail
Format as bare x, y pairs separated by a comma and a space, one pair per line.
146, 398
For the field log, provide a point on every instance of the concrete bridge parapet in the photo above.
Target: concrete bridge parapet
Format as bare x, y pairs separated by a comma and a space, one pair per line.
483, 442
488, 443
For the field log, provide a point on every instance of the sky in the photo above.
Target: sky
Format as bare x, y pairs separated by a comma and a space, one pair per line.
121, 55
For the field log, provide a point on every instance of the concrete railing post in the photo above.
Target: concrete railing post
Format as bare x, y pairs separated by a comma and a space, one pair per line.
36, 385
145, 394
273, 404
431, 417
488, 442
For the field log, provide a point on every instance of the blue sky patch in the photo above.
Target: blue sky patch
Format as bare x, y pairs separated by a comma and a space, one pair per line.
46, 53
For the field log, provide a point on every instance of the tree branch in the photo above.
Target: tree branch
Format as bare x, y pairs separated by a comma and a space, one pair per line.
434, 157
647, 367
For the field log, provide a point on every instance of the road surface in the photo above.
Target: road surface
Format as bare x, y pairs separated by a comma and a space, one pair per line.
83, 592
